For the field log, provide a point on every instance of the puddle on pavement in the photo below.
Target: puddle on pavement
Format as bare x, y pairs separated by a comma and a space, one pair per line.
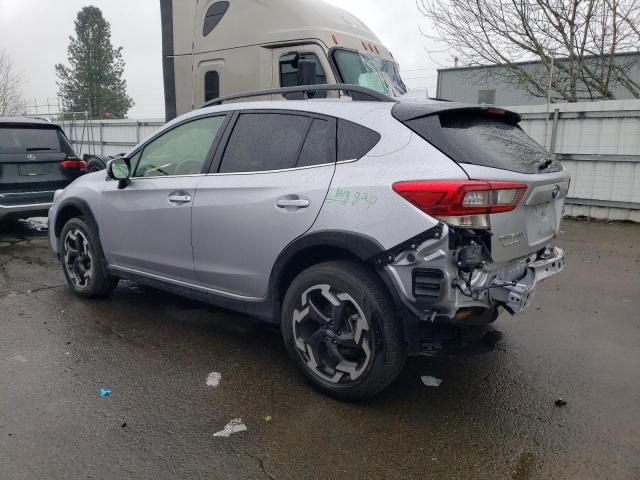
15, 231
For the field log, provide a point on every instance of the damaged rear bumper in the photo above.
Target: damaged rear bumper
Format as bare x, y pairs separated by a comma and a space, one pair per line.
428, 280
519, 296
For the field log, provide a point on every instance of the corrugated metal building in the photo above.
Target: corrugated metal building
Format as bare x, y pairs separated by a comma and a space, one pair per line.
491, 86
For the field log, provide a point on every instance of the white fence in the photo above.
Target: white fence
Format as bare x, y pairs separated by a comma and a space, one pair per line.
108, 137
598, 142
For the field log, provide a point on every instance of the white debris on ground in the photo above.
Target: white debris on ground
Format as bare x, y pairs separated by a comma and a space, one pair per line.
234, 426
20, 358
39, 224
213, 380
431, 381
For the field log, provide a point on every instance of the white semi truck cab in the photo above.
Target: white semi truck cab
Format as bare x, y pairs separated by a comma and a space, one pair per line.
214, 48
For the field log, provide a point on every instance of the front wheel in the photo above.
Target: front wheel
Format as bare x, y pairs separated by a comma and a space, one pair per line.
83, 261
340, 327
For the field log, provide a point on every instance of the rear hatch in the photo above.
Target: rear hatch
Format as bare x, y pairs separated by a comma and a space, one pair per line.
35, 160
488, 144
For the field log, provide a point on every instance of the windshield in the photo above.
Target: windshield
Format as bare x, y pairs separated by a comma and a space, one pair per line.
369, 70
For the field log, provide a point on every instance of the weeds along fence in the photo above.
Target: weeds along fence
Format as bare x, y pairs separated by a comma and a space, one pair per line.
598, 142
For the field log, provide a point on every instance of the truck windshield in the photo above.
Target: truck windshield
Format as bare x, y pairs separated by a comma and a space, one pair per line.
369, 70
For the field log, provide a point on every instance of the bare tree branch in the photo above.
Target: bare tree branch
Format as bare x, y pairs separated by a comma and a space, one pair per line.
11, 99
574, 45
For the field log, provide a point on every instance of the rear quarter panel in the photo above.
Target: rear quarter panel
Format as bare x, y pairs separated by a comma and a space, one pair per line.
361, 198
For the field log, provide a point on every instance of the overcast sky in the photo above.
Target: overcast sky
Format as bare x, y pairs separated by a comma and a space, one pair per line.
35, 33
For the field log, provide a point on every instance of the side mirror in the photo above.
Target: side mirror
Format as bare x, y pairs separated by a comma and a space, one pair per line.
306, 72
119, 169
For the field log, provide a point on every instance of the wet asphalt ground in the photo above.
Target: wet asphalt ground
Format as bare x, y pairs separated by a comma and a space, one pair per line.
493, 416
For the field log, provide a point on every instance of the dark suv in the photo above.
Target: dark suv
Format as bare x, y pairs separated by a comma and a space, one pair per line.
36, 159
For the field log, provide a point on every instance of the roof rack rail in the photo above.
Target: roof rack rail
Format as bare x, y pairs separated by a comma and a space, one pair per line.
358, 93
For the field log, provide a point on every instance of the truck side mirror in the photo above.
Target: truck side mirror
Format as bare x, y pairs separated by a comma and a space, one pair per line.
306, 72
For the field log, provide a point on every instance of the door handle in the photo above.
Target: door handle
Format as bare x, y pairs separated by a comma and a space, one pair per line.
179, 199
292, 202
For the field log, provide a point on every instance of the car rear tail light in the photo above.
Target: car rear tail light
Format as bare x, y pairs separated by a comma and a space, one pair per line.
73, 164
464, 203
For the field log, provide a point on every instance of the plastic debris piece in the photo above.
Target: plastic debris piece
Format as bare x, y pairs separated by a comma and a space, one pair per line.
123, 425
20, 358
213, 380
39, 224
234, 426
268, 418
560, 402
105, 392
431, 381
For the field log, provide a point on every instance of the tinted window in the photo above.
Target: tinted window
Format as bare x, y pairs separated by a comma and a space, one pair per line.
320, 146
181, 151
264, 141
481, 140
22, 140
213, 17
211, 86
354, 141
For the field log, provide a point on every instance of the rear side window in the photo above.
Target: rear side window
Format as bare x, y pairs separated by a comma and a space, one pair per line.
320, 146
24, 140
265, 141
355, 141
486, 141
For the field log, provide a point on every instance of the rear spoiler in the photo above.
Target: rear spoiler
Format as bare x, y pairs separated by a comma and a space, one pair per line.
405, 111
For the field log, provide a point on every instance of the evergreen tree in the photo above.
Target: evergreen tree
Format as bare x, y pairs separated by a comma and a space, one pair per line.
93, 82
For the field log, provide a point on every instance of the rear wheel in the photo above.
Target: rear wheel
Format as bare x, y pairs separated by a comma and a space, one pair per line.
340, 327
83, 261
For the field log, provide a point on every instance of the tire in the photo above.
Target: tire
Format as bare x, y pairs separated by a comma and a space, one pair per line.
340, 327
83, 260
95, 164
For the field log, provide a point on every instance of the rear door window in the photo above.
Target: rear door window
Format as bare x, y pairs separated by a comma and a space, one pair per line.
479, 139
265, 141
320, 145
24, 140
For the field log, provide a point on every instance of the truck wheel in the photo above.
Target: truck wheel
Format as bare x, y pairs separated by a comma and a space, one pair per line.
83, 261
340, 327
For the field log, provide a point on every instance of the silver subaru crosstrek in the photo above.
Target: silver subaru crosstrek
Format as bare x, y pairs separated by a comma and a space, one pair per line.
369, 230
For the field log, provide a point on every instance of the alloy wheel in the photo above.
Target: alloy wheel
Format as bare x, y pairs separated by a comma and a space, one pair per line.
78, 260
332, 334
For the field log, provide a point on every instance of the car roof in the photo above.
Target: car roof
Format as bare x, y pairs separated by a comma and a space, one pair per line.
36, 121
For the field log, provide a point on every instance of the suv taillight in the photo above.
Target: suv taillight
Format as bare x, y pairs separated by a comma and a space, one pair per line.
73, 164
464, 203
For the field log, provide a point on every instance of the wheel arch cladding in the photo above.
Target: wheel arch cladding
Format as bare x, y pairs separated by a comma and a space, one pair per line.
73, 208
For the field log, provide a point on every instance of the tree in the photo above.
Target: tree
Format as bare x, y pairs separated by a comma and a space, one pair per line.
11, 99
575, 44
93, 82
